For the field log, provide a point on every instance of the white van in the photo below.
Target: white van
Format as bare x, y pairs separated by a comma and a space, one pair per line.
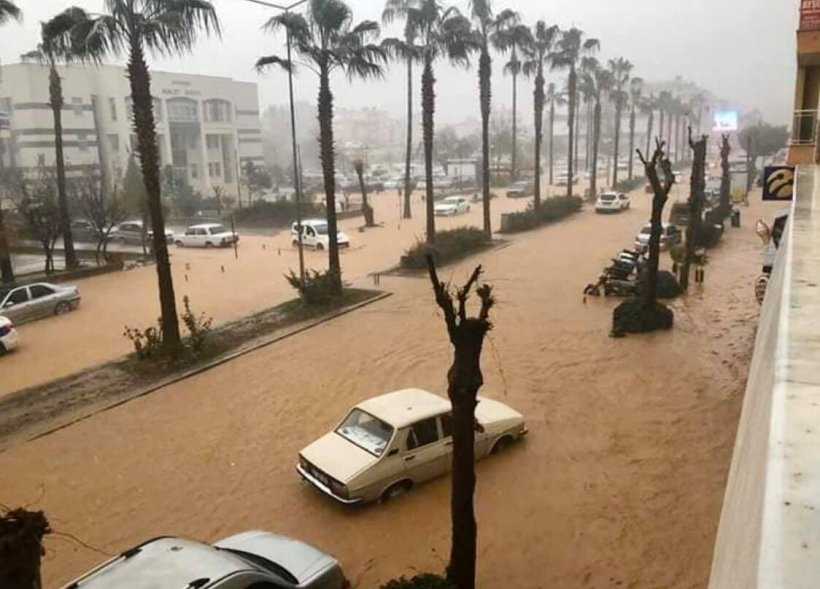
315, 235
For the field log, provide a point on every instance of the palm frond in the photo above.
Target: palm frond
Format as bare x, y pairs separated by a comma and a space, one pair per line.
263, 64
9, 10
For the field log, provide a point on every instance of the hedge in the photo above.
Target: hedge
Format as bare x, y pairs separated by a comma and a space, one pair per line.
552, 209
450, 245
270, 214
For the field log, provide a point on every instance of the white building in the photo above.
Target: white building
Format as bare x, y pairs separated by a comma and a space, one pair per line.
207, 127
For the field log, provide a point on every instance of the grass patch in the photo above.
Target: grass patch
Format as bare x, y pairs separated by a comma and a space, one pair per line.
451, 245
552, 210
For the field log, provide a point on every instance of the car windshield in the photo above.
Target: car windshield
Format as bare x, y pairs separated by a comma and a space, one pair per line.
366, 431
264, 564
451, 200
607, 197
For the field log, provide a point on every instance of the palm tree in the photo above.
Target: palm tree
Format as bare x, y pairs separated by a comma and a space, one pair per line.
554, 97
663, 105
514, 39
487, 29
441, 32
56, 45
621, 70
8, 10
162, 27
407, 51
597, 83
635, 101
570, 49
648, 106
328, 40
537, 53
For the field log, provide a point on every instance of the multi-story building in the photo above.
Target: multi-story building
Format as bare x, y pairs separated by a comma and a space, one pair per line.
807, 89
207, 127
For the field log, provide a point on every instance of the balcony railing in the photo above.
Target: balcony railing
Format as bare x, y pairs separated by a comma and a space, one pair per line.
804, 127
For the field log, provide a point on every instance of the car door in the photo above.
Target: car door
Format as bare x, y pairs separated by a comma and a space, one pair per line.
309, 237
43, 301
425, 456
624, 200
16, 305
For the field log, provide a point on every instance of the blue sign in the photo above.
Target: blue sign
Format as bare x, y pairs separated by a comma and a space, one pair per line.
778, 183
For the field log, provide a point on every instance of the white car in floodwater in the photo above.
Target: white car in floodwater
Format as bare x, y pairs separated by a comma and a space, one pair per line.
315, 235
207, 235
451, 206
9, 340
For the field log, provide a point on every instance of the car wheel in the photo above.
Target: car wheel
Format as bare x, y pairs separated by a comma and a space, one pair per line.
208, 245
320, 246
502, 444
3, 350
396, 490
180, 244
62, 308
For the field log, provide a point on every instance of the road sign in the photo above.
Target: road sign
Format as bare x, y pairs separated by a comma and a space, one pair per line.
778, 183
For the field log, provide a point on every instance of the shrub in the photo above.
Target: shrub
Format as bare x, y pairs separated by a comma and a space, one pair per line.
199, 326
319, 287
422, 581
552, 209
148, 342
265, 214
631, 316
668, 286
450, 245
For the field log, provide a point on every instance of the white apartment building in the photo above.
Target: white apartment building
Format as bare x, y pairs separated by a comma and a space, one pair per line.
207, 127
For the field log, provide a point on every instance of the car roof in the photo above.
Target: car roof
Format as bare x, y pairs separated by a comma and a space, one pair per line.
312, 221
401, 408
163, 563
205, 225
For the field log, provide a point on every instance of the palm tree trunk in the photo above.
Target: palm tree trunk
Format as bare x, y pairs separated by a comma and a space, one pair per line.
408, 213
573, 83
428, 107
660, 128
328, 158
55, 88
513, 167
631, 140
588, 139
552, 137
725, 177
140, 81
617, 147
669, 125
485, 92
596, 138
6, 269
577, 128
538, 103
649, 124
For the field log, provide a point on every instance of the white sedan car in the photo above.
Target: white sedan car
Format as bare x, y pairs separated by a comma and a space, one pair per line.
388, 444
612, 202
452, 205
207, 235
9, 339
315, 235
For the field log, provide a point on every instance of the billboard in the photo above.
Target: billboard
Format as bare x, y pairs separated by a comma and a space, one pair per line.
726, 120
778, 183
809, 15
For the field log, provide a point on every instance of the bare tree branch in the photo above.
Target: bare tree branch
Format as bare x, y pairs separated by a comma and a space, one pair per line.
464, 293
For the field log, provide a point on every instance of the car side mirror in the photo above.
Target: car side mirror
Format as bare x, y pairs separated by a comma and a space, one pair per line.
9, 304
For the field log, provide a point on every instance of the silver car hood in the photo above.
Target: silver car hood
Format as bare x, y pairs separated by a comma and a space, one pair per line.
302, 560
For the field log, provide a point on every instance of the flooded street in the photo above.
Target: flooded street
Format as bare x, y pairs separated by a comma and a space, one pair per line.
619, 483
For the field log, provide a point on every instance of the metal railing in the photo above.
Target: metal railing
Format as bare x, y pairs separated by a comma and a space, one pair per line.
804, 127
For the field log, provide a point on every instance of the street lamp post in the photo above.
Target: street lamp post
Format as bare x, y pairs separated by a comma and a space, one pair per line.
297, 182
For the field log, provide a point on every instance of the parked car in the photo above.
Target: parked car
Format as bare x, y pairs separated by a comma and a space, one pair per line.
521, 189
452, 205
679, 214
35, 301
563, 179
250, 560
9, 339
83, 231
388, 444
612, 202
393, 183
670, 235
131, 232
207, 235
314, 234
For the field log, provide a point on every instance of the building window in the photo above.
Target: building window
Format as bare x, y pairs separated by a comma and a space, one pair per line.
82, 141
114, 142
112, 108
182, 110
217, 111
194, 171
77, 104
218, 169
212, 141
214, 170
5, 105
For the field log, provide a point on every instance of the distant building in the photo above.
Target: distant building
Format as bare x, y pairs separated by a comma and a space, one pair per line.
206, 126
463, 170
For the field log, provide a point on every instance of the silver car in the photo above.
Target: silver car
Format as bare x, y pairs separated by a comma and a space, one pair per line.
35, 301
250, 560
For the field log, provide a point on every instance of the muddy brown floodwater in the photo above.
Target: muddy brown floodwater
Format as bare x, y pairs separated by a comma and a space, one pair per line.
619, 483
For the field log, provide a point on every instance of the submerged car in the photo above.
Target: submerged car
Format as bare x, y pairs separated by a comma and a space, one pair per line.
35, 301
132, 232
521, 189
670, 235
452, 205
612, 202
315, 235
388, 444
9, 339
207, 235
250, 560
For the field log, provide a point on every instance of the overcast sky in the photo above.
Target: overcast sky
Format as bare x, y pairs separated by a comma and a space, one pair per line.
742, 50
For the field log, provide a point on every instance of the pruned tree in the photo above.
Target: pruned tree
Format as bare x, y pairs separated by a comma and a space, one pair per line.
21, 548
464, 379
100, 207
697, 194
644, 313
219, 197
367, 210
257, 180
725, 176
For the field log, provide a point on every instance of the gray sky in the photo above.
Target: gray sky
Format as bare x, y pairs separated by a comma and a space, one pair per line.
742, 50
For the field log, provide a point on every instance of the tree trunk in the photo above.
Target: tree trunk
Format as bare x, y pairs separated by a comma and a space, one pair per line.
21, 539
649, 124
696, 197
367, 210
140, 81
552, 137
484, 74
578, 104
669, 125
514, 162
725, 177
573, 83
408, 213
428, 105
329, 173
6, 269
631, 141
590, 124
55, 88
660, 130
618, 109
538, 104
596, 139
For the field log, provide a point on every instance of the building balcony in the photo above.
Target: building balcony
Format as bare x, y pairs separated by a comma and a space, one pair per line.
808, 47
804, 138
